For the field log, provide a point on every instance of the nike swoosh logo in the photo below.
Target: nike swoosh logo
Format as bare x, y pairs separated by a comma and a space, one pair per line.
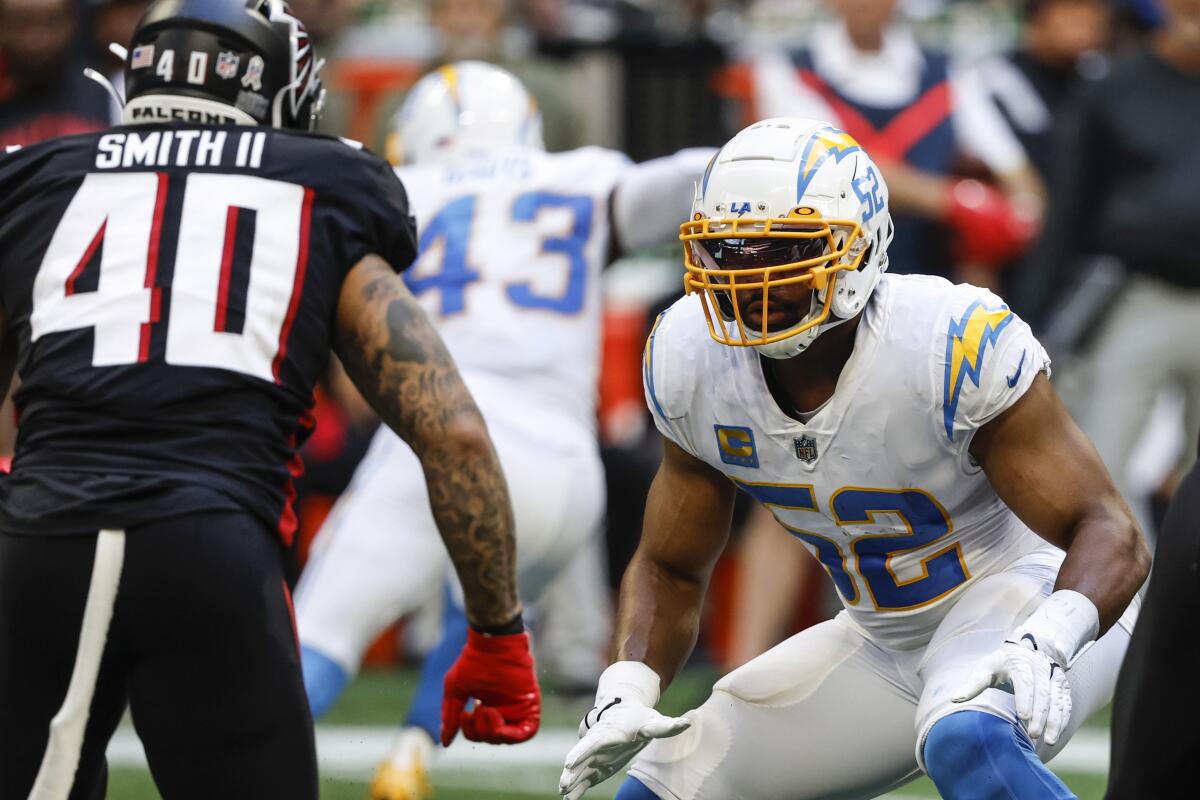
1012, 380
600, 713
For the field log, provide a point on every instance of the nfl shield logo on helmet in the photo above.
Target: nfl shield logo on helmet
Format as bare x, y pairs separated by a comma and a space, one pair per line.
806, 448
227, 65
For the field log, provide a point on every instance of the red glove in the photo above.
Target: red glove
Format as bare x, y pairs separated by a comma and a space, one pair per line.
498, 672
988, 228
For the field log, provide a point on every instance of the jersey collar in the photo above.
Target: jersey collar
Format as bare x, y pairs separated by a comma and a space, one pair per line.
749, 385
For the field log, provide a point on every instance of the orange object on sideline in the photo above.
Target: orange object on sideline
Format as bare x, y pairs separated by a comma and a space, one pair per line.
622, 343
369, 81
736, 82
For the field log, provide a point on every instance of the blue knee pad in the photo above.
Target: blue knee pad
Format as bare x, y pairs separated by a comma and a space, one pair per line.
972, 755
426, 709
324, 680
633, 789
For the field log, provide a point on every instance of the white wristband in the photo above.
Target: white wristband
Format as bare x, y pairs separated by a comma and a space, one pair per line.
1062, 626
628, 679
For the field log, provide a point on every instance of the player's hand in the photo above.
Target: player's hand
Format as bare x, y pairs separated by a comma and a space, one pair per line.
497, 671
622, 722
1033, 662
988, 228
1037, 681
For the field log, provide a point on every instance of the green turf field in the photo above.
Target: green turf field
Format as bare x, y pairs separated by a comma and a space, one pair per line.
128, 784
356, 733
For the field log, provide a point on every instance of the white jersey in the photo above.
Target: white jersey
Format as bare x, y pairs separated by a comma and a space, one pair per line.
879, 484
511, 249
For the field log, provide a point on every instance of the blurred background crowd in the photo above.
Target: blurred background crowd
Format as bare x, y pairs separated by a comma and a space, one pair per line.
1044, 148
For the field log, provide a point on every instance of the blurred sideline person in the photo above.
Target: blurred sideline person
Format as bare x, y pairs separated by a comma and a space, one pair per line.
113, 21
905, 430
512, 242
495, 31
1130, 166
1061, 42
919, 114
171, 291
1035, 87
43, 92
1156, 683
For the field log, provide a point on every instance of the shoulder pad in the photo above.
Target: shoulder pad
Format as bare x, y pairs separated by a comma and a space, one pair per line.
988, 358
673, 355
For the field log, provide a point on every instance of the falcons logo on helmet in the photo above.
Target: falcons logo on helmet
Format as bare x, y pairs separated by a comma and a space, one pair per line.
305, 81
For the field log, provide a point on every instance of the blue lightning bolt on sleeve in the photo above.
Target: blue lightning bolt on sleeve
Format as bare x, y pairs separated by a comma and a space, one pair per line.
991, 359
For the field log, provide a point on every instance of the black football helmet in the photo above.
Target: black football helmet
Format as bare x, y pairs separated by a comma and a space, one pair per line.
247, 61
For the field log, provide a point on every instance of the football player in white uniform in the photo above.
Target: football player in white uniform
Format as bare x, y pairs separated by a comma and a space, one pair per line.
904, 429
512, 243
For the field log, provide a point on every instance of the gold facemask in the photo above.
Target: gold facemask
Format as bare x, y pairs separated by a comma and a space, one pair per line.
827, 248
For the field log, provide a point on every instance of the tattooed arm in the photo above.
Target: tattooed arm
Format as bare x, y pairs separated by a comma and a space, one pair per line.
398, 361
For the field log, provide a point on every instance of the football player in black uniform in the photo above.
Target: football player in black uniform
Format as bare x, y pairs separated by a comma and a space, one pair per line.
170, 291
1151, 756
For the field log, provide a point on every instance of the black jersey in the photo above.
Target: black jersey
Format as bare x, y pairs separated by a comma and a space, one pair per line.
171, 292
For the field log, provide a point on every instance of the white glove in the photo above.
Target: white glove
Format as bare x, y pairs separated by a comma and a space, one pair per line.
1033, 662
622, 722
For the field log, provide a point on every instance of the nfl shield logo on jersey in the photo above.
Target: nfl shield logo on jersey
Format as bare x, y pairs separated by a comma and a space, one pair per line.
227, 65
806, 448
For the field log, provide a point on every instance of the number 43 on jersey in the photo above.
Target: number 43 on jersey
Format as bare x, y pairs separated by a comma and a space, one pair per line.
451, 229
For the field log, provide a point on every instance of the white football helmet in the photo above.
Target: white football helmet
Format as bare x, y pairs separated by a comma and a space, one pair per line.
787, 201
463, 108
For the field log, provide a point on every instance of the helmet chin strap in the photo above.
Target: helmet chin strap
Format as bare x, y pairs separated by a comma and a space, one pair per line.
796, 344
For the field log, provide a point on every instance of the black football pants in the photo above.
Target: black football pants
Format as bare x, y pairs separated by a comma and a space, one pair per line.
198, 640
1156, 741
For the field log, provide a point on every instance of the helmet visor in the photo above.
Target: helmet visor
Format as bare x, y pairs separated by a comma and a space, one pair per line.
733, 254
750, 257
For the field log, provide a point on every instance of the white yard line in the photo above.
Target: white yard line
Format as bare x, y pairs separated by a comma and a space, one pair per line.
352, 751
